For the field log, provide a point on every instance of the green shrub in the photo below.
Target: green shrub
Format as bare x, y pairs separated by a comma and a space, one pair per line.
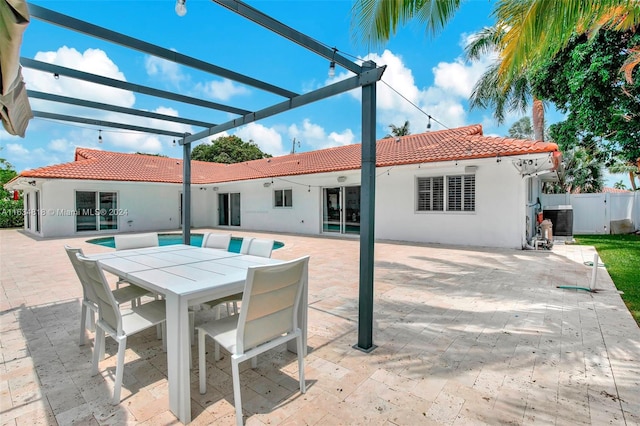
11, 213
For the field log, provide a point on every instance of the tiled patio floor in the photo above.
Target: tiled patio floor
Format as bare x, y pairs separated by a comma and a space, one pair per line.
464, 336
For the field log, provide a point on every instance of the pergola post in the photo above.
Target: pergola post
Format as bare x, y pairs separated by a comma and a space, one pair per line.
367, 215
186, 193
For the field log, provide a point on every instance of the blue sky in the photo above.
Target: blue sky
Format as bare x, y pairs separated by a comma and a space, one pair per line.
428, 71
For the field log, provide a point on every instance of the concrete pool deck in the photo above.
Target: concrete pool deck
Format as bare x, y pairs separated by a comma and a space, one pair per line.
465, 335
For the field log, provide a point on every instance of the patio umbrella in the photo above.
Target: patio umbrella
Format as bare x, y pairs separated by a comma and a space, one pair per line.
14, 103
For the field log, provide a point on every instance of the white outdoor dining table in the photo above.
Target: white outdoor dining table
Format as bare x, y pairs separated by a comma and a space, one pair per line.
186, 275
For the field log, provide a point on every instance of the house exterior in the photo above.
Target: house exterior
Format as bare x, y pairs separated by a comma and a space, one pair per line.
452, 187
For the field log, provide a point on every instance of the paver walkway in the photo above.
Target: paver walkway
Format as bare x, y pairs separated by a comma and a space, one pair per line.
464, 336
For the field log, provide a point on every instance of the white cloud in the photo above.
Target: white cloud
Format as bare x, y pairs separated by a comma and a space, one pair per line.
165, 70
315, 136
93, 61
268, 139
38, 157
222, 90
445, 100
60, 145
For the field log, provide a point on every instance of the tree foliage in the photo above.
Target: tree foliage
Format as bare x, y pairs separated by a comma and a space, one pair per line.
10, 210
521, 129
228, 150
582, 172
511, 94
397, 131
585, 81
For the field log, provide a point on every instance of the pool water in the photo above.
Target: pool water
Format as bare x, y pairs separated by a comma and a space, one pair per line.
169, 239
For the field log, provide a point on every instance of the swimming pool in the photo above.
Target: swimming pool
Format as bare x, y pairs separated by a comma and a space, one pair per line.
169, 239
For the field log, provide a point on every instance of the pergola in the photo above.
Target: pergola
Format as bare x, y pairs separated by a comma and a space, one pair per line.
365, 76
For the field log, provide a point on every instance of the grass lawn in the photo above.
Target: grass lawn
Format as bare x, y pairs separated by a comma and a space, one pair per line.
621, 255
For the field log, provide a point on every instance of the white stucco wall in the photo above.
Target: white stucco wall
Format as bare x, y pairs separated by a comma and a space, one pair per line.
145, 206
498, 220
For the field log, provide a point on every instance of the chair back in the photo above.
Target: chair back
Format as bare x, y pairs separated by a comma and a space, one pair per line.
87, 292
216, 240
108, 308
261, 247
246, 243
270, 302
134, 241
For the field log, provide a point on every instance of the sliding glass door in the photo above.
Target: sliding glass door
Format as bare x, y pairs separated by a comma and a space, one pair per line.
229, 209
341, 210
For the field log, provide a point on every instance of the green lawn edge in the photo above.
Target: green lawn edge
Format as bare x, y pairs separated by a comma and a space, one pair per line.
621, 256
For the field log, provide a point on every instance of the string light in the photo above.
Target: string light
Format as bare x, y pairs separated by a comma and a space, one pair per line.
99, 136
429, 123
181, 7
332, 64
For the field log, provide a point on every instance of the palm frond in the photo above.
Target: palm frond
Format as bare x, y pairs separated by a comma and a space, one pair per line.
373, 22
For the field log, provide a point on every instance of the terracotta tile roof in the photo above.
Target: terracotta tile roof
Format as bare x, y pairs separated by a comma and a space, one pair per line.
444, 145
615, 190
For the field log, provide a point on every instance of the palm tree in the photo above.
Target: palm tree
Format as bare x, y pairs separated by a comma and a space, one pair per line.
521, 129
543, 27
374, 21
619, 185
513, 93
397, 131
581, 173
546, 26
620, 166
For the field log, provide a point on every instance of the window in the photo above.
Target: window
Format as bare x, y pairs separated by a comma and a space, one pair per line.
431, 194
460, 193
283, 198
96, 211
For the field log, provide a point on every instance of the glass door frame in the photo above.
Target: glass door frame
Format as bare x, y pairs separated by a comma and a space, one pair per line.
229, 209
341, 210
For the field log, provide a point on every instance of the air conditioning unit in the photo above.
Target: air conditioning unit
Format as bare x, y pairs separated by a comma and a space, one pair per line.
561, 218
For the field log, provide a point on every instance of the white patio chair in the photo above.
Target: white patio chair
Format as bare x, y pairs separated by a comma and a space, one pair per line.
131, 293
134, 241
119, 324
269, 317
252, 246
216, 240
261, 247
246, 242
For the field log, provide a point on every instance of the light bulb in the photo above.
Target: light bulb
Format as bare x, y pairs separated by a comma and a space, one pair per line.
181, 7
332, 69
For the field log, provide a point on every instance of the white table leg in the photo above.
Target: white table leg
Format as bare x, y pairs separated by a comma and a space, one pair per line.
178, 352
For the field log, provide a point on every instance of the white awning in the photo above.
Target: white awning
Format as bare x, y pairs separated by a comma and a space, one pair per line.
15, 110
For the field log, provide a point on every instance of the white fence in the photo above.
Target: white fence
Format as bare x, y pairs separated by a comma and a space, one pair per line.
594, 213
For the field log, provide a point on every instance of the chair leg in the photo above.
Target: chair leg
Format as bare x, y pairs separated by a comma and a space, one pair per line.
237, 399
122, 347
202, 373
92, 319
303, 385
98, 344
83, 325
254, 362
